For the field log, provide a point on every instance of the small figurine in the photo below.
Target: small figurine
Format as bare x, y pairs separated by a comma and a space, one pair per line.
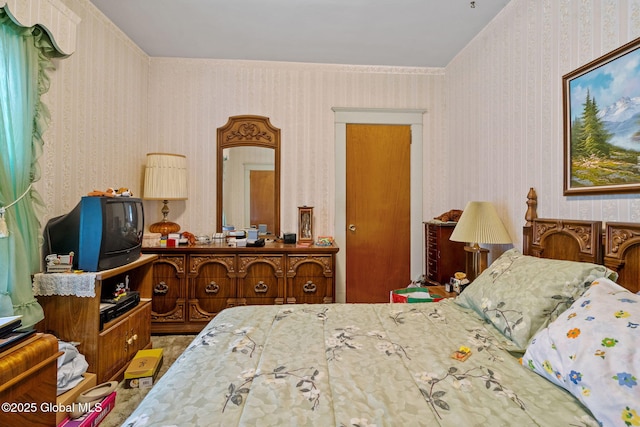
461, 354
120, 291
111, 192
123, 192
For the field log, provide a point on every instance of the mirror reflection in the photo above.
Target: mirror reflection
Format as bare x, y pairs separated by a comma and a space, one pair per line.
248, 174
248, 187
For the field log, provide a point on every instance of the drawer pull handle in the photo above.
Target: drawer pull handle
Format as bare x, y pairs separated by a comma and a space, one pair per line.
161, 288
309, 287
261, 288
212, 288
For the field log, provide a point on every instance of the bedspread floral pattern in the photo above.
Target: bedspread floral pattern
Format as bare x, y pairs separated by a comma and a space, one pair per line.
305, 382
352, 365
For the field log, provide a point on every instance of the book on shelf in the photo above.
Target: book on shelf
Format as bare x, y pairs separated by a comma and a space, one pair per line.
9, 324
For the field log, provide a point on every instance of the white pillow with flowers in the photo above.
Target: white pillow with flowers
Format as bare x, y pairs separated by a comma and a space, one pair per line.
593, 351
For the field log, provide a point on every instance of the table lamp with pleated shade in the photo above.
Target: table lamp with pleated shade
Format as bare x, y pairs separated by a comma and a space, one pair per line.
165, 178
479, 223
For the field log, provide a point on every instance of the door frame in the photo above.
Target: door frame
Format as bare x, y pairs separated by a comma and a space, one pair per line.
248, 167
411, 117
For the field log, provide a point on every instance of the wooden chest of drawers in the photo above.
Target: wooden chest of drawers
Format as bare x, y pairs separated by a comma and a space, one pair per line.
28, 382
192, 284
443, 256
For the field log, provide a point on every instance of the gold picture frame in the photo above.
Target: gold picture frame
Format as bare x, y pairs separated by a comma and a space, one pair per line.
601, 131
305, 224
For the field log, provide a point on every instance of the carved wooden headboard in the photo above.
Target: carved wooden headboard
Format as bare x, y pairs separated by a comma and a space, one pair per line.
578, 240
622, 252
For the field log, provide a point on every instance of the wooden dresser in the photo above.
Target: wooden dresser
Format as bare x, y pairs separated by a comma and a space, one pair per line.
28, 382
191, 284
109, 346
443, 257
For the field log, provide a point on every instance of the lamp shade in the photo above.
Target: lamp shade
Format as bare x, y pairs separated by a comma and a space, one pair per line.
165, 177
480, 223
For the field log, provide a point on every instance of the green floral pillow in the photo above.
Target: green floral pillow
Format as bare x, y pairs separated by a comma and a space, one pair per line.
520, 294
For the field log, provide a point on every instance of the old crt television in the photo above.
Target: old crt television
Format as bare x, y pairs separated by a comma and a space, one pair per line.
103, 233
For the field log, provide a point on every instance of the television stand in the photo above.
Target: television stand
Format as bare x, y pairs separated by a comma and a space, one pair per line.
107, 348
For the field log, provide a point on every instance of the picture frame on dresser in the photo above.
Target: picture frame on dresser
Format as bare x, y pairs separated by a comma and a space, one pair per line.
305, 224
601, 130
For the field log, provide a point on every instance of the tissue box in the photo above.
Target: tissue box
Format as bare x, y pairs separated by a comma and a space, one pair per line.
94, 417
151, 240
143, 369
409, 295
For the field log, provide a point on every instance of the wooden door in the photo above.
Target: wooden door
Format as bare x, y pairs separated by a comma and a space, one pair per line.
378, 215
262, 183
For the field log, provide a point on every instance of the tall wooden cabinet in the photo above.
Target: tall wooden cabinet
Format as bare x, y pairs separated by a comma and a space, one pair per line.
443, 256
191, 284
107, 347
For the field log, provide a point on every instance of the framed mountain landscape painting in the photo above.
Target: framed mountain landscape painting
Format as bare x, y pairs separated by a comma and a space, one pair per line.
601, 105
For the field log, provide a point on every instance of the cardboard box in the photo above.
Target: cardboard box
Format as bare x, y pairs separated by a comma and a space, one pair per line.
70, 396
94, 417
143, 369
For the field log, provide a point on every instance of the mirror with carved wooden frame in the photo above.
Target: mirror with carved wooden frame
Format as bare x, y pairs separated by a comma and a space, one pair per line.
248, 174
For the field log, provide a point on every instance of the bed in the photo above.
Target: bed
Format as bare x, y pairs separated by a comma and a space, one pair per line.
550, 337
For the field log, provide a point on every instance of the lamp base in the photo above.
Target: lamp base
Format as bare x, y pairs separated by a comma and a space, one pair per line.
476, 261
164, 227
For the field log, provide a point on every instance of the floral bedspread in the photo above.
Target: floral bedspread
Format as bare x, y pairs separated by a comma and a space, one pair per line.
353, 365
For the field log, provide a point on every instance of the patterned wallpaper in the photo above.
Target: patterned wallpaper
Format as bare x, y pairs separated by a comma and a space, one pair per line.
191, 98
504, 94
493, 126
98, 103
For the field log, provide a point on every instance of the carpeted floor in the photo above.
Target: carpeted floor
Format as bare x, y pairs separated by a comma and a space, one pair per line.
128, 399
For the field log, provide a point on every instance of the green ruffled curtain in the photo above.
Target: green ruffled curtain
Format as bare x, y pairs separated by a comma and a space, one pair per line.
24, 64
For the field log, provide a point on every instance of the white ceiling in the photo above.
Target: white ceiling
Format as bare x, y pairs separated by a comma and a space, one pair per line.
420, 33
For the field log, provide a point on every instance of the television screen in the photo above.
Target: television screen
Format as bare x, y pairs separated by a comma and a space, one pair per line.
103, 233
121, 225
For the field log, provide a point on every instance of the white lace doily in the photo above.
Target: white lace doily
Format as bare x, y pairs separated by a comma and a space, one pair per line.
75, 284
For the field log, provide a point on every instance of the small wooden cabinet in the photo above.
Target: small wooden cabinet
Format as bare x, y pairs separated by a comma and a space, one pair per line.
28, 382
443, 256
192, 284
108, 348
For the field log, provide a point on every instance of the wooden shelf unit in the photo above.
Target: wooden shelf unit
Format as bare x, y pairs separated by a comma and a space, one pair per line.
109, 349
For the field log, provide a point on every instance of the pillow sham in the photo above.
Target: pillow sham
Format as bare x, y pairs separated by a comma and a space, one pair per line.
520, 294
591, 351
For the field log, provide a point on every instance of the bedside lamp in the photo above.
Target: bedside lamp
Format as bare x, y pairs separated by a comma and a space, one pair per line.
479, 223
165, 178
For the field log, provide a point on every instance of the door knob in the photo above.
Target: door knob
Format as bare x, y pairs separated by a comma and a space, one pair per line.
352, 227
